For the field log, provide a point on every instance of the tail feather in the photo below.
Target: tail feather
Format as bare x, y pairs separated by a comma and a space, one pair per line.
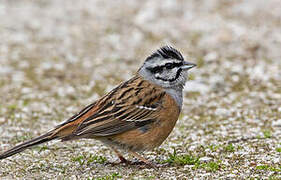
21, 147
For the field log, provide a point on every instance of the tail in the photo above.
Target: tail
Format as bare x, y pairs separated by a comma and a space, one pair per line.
63, 131
21, 147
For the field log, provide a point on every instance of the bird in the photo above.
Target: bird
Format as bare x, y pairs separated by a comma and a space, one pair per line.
136, 116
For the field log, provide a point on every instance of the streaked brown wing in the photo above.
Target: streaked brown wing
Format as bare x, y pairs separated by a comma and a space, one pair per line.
131, 105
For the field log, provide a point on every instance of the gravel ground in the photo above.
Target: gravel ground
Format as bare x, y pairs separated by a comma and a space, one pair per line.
58, 56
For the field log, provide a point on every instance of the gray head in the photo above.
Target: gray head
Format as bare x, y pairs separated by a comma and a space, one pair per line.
166, 67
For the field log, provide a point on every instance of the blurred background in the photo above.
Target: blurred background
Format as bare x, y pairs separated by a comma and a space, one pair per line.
57, 56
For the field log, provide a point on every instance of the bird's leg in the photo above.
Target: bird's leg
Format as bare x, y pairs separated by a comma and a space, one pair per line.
123, 160
120, 156
147, 162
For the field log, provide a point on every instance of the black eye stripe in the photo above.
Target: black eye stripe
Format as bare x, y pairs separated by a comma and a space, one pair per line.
172, 79
169, 66
172, 65
157, 69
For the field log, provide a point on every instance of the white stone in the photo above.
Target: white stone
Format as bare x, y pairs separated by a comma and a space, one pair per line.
205, 159
276, 123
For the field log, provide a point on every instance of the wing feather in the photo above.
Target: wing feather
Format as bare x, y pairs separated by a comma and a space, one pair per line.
131, 105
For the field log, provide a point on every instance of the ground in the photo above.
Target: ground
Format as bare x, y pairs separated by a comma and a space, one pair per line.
58, 56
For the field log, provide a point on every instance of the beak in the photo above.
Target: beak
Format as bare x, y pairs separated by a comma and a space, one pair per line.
187, 65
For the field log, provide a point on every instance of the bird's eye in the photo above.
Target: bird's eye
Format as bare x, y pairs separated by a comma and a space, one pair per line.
158, 70
169, 66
